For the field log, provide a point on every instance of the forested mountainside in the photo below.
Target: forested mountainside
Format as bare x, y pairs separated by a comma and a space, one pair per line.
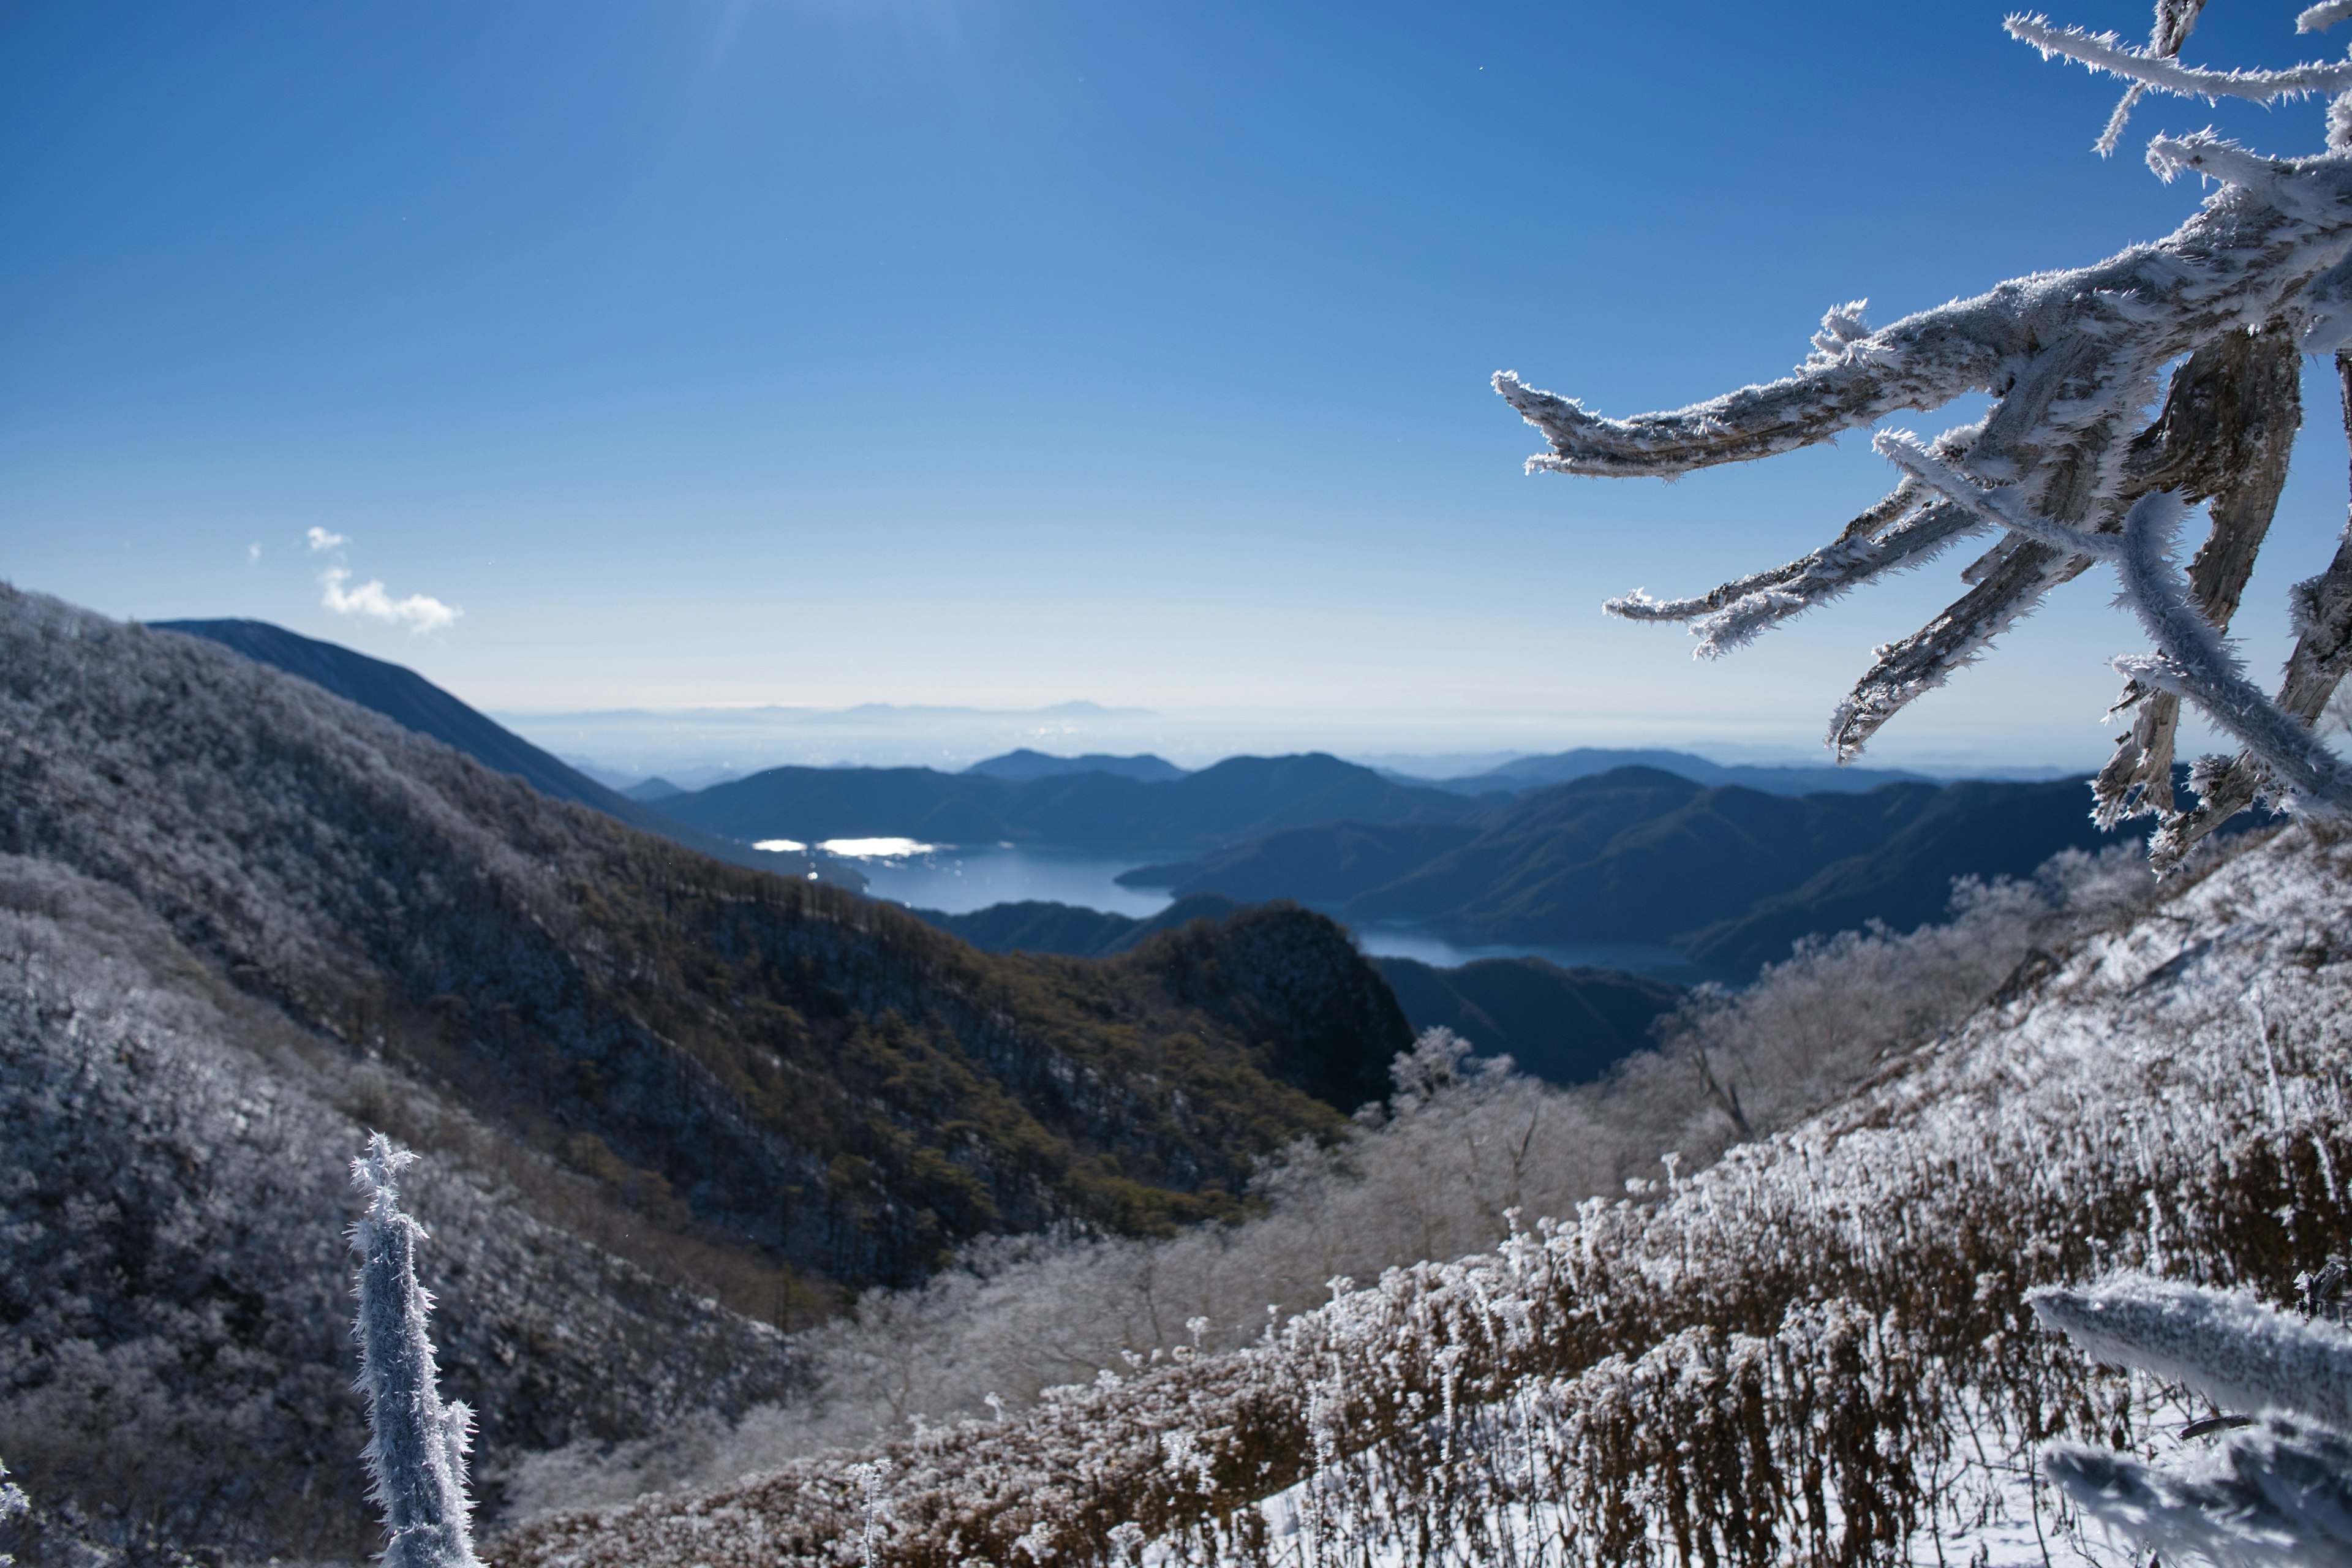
1730, 876
1036, 925
407, 698
1818, 1349
1564, 1025
1238, 798
666, 1068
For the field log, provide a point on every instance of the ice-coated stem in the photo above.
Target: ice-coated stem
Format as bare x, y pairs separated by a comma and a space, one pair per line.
416, 1446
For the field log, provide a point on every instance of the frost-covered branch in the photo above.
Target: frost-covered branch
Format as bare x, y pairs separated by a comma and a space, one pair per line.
2107, 52
1867, 548
417, 1447
2319, 18
2191, 659
2175, 20
2071, 360
2278, 1491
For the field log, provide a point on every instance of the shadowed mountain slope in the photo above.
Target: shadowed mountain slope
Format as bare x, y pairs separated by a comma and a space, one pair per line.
407, 698
1568, 1025
1239, 798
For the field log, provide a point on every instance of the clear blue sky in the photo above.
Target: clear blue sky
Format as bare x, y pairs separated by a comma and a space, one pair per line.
1011, 351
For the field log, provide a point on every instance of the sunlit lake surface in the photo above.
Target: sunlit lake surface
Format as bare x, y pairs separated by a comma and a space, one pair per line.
958, 880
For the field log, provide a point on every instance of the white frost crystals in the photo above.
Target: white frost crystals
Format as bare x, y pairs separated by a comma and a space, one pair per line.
2277, 1486
416, 1449
2261, 273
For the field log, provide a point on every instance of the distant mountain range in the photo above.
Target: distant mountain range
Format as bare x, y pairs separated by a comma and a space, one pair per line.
1024, 765
409, 699
1730, 876
1535, 772
1237, 799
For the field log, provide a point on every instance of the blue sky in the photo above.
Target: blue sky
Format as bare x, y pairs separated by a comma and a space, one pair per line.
1004, 352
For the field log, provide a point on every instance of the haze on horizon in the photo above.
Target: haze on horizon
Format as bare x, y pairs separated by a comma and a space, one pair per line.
672, 354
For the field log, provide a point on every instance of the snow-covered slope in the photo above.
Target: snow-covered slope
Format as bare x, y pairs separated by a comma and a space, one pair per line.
1815, 1349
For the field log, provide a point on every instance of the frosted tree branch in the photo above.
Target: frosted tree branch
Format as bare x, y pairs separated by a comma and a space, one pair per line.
2320, 18
2107, 52
416, 1446
1743, 609
2192, 661
2175, 20
2071, 360
2277, 1491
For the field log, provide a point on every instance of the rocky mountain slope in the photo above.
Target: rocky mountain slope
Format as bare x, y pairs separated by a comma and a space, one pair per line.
245, 916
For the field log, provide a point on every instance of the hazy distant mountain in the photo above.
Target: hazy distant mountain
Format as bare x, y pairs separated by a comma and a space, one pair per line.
645, 792
1569, 1026
1729, 875
1534, 772
1021, 766
409, 699
1239, 798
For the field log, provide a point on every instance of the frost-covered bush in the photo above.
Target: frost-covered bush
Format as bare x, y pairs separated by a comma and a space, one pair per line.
12, 1505
2276, 1486
417, 1444
2063, 473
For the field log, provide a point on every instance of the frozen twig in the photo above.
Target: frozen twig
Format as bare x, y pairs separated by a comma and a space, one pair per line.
416, 1446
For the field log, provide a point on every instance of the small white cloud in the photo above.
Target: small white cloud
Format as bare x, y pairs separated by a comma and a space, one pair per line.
253, 552
417, 612
321, 539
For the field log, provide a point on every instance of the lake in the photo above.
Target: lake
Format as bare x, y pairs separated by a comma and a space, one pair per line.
956, 881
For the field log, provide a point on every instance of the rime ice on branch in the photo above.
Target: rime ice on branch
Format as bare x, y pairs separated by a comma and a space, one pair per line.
2277, 1486
2259, 276
416, 1449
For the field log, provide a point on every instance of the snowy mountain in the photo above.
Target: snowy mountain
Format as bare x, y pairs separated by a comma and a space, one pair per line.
1816, 1348
668, 1103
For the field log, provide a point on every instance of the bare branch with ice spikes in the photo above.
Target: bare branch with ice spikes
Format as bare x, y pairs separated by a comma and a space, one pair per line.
2071, 360
2319, 18
2175, 20
2237, 1353
417, 1444
1739, 611
2274, 1495
2107, 52
2193, 660
2275, 1491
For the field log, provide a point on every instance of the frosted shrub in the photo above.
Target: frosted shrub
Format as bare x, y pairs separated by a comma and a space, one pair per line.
2276, 1488
12, 1505
416, 1446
